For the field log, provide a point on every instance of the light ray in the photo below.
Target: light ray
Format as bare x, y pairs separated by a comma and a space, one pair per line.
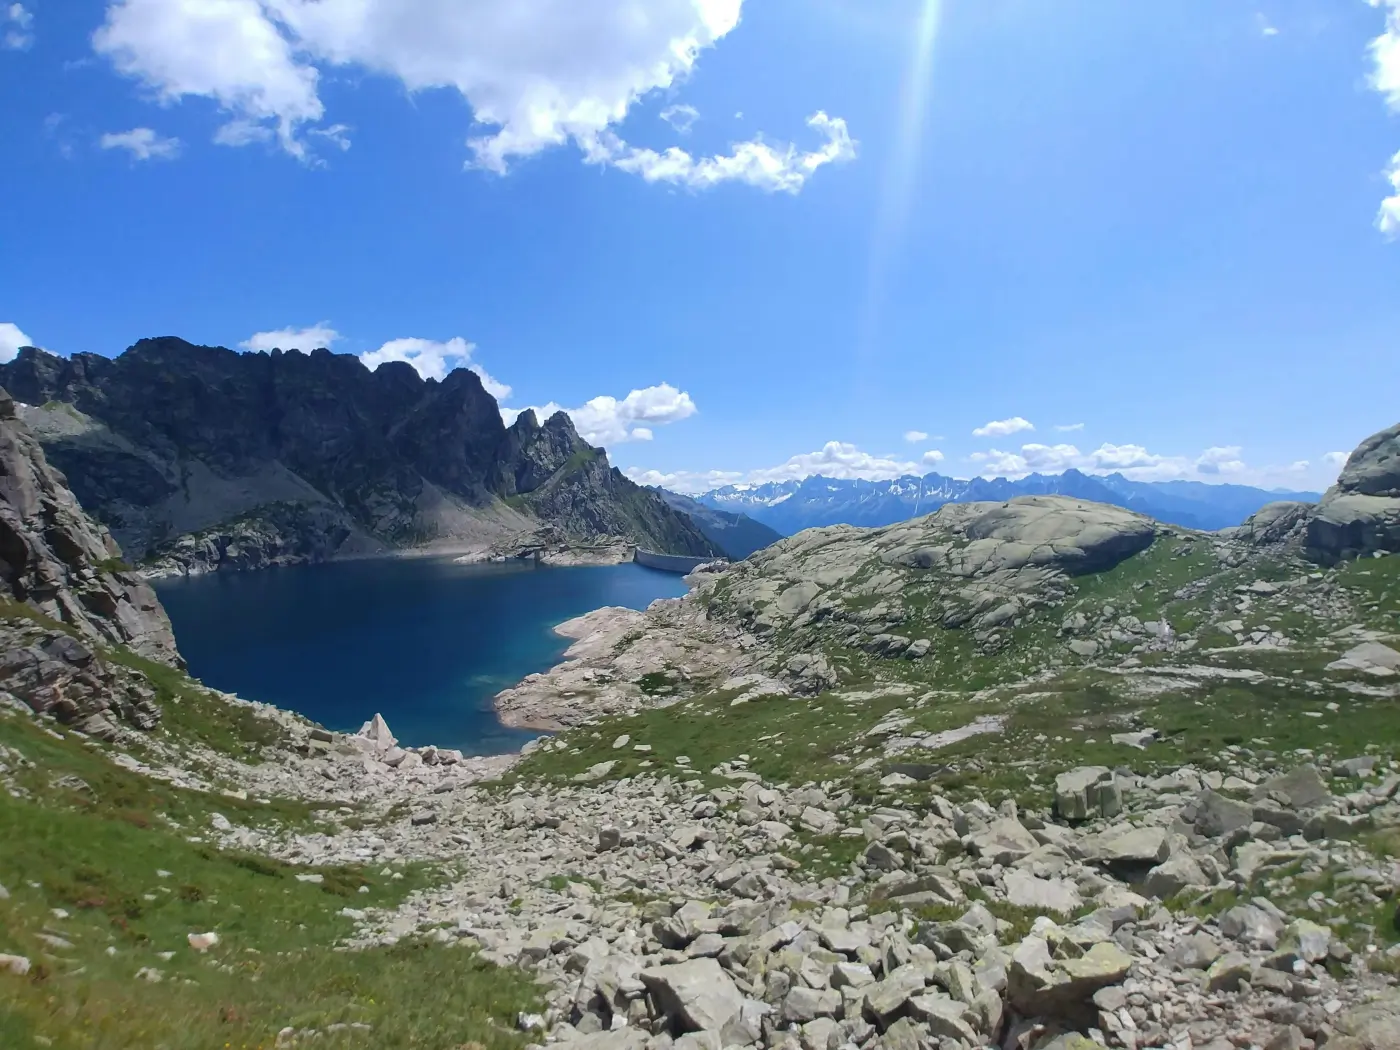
897, 194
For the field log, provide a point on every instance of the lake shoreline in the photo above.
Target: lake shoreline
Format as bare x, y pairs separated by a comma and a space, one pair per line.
424, 640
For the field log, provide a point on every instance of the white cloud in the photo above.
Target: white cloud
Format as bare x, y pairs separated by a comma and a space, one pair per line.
11, 339
775, 169
1050, 459
433, 360
1385, 78
932, 458
1065, 428
18, 21
915, 436
226, 50
1266, 28
687, 481
1335, 459
1220, 460
996, 463
337, 135
312, 337
835, 459
1132, 461
608, 421
536, 73
1002, 427
142, 144
680, 117
1388, 218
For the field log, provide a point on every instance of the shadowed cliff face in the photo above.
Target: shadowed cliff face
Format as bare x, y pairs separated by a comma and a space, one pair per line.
305, 456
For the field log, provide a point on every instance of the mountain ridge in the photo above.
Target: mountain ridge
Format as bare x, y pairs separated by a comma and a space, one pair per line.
738, 535
791, 506
199, 458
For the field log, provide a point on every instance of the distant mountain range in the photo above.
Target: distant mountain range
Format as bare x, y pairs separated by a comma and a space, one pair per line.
791, 506
738, 535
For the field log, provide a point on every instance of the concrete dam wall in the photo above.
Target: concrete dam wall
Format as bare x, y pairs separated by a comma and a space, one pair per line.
670, 562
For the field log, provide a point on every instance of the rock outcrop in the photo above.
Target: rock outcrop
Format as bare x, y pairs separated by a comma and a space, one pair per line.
200, 458
1360, 514
68, 595
54, 558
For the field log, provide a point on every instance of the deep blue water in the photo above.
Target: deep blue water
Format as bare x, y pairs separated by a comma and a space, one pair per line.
424, 641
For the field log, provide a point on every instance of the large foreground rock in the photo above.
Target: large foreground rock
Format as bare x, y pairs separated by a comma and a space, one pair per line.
1039, 985
1375, 1026
695, 996
1360, 514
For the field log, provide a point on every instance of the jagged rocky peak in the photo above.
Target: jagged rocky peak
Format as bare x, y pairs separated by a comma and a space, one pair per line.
535, 452
199, 458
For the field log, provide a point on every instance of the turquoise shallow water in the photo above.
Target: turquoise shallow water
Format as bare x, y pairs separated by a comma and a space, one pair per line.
424, 641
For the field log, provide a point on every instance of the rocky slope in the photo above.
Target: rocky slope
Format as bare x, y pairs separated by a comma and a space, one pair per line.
736, 535
200, 458
66, 597
790, 506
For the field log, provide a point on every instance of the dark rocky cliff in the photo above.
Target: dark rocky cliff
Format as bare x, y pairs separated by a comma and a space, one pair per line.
200, 457
65, 596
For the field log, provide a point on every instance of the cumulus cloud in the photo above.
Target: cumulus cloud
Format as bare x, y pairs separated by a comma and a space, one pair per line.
1003, 427
536, 73
433, 360
776, 169
607, 421
1065, 428
687, 481
915, 436
18, 22
1335, 459
835, 459
142, 144
1388, 218
1385, 78
229, 51
1132, 461
11, 339
1219, 460
312, 337
1266, 28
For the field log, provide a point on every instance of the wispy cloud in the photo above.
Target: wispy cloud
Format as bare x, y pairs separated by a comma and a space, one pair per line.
142, 144
18, 23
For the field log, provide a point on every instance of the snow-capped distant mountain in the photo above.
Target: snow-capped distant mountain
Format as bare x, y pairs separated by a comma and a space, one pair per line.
791, 506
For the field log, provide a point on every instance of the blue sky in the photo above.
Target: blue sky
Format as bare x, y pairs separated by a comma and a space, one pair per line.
747, 240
